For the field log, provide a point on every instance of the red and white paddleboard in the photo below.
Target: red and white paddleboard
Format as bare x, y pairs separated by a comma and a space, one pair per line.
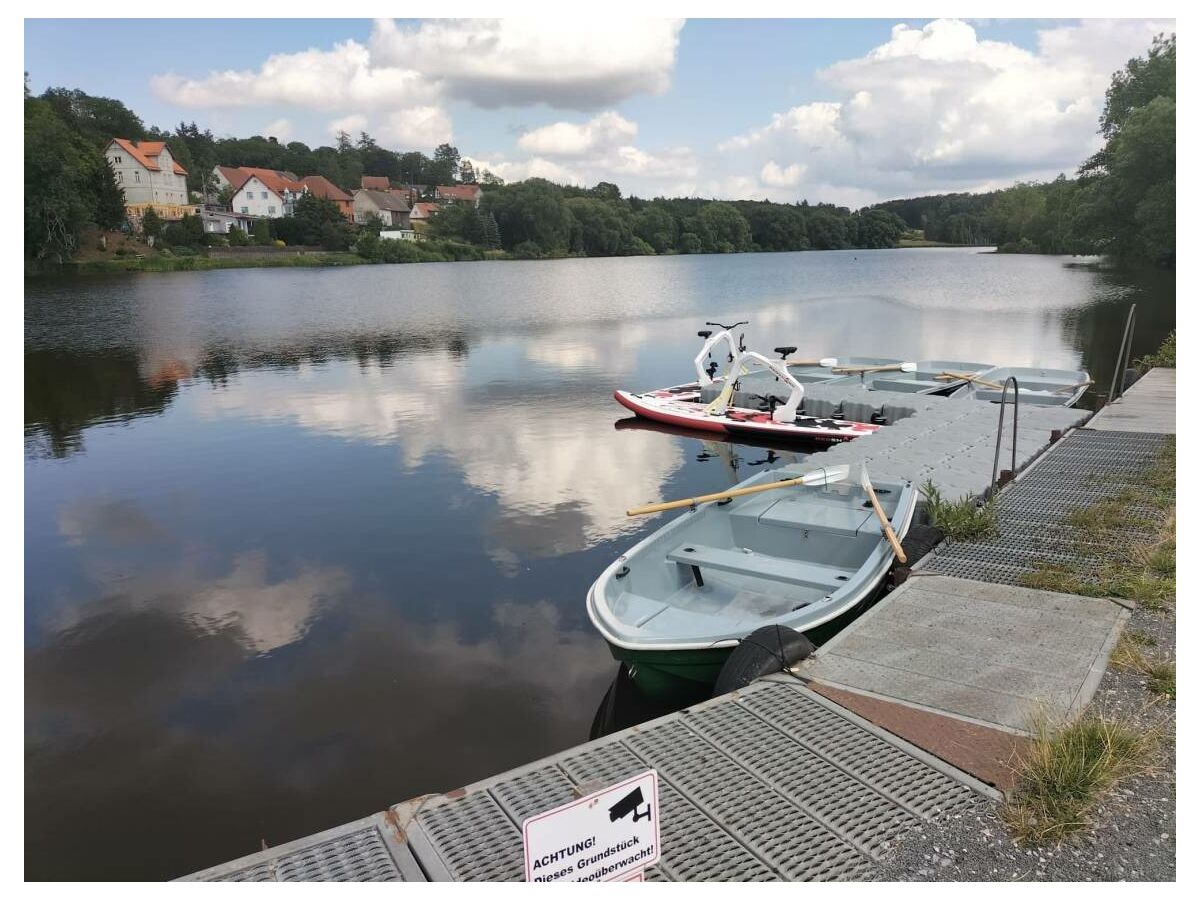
681, 405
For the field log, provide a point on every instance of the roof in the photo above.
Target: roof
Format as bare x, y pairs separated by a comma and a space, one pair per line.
425, 210
278, 182
146, 153
385, 200
320, 186
376, 183
459, 191
235, 176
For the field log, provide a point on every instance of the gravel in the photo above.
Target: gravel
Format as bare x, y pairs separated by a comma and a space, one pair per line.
1132, 837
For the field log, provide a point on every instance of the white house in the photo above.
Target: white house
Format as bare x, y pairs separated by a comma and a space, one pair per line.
266, 193
389, 207
149, 175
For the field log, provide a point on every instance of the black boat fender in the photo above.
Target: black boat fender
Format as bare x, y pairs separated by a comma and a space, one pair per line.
770, 649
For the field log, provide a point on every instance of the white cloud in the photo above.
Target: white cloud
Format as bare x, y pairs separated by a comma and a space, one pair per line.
776, 176
312, 79
488, 62
281, 129
421, 126
568, 63
609, 129
939, 108
351, 124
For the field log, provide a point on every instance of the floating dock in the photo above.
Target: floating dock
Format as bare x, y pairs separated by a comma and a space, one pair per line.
811, 775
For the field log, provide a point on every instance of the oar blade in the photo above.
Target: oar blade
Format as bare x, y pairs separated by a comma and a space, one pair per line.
827, 475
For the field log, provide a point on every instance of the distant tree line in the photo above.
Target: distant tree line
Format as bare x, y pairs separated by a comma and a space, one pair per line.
537, 219
1121, 202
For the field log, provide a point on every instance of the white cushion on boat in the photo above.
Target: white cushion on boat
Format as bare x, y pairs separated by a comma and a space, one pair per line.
758, 565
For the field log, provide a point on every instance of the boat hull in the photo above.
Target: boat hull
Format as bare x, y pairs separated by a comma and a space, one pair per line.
673, 676
683, 410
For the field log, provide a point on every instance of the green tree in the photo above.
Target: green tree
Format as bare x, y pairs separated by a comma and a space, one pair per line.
656, 227
602, 230
59, 166
722, 229
261, 234
776, 227
458, 222
109, 210
877, 228
152, 225
466, 172
531, 212
444, 168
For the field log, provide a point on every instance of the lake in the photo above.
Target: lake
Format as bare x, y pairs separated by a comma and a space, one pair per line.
302, 543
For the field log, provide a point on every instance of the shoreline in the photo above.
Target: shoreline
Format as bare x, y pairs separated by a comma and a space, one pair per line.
200, 263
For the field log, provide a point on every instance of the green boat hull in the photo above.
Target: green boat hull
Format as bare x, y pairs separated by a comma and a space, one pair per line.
681, 676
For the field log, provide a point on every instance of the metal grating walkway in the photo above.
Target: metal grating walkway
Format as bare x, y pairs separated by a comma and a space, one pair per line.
774, 782
1084, 467
770, 783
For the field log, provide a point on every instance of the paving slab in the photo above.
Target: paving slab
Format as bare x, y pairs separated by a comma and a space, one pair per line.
992, 654
987, 753
1148, 406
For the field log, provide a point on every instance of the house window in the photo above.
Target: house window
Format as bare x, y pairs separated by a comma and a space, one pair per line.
137, 176
120, 177
245, 209
264, 193
271, 210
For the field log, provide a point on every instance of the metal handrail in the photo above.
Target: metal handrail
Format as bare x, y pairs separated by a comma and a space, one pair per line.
1000, 431
1123, 352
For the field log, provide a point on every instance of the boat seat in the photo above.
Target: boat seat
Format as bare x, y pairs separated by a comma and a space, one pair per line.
759, 565
831, 518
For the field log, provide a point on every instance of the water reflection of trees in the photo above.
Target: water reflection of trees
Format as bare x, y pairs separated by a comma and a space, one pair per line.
1096, 330
67, 391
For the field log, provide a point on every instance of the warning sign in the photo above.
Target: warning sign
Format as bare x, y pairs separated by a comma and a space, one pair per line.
605, 836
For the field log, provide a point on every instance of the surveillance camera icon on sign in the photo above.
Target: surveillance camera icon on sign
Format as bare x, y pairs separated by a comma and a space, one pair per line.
629, 804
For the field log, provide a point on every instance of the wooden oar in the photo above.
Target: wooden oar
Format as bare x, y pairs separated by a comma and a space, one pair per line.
1072, 387
828, 362
869, 370
967, 376
889, 533
819, 477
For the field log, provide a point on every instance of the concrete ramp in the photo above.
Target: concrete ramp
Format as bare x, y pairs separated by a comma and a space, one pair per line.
990, 654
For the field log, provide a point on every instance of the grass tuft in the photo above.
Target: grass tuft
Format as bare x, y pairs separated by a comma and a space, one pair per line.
1130, 656
1065, 771
1164, 357
963, 519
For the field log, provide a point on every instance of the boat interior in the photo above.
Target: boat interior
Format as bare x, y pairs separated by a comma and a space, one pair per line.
794, 555
1042, 387
925, 379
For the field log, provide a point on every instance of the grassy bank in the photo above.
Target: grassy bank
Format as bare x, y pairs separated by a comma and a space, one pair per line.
204, 263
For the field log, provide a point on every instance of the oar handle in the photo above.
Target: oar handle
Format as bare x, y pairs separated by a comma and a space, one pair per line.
888, 531
1071, 387
709, 498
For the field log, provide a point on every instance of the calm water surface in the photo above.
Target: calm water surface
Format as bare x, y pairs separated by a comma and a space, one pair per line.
304, 543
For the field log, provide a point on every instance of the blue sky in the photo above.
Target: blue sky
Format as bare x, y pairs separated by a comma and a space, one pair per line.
844, 110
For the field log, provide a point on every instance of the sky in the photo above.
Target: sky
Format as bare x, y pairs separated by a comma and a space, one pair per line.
847, 111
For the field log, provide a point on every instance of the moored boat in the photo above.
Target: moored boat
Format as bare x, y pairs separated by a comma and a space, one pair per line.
675, 605
932, 376
1040, 387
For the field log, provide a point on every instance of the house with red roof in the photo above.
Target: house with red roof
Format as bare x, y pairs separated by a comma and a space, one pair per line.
150, 176
376, 183
266, 193
421, 214
320, 186
458, 193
